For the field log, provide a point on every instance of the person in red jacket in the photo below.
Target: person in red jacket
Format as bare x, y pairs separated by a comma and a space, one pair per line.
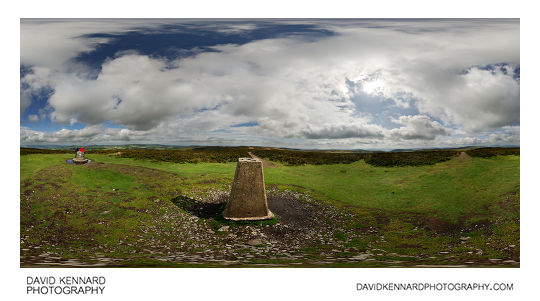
82, 149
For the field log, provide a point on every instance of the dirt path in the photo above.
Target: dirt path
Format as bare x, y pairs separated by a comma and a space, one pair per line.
464, 157
265, 163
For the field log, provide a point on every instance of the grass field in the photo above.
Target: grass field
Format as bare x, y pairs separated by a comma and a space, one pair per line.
119, 211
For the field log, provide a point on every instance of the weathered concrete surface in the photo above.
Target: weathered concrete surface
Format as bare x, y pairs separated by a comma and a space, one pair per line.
79, 158
247, 200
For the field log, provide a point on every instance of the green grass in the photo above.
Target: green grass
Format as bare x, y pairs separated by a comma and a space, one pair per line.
398, 202
31, 164
101, 179
450, 190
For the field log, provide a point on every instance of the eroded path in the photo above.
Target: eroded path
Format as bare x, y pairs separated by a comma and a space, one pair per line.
266, 163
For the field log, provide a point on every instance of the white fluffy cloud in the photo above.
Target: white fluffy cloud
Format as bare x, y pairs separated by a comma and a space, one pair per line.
52, 43
418, 127
88, 135
292, 88
477, 100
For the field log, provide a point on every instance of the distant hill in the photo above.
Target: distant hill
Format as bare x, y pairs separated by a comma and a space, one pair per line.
285, 156
200, 147
462, 148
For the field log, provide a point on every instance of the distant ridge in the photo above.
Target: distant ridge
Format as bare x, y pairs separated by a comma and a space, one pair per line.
210, 147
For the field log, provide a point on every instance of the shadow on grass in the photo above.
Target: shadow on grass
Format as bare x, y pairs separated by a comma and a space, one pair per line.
213, 212
198, 208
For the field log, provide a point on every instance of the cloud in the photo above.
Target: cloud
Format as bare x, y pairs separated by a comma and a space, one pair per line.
289, 87
53, 43
26, 99
477, 100
89, 135
418, 127
36, 83
507, 136
33, 118
341, 131
133, 91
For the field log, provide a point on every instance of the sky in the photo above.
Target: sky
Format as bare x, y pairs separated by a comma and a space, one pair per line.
299, 83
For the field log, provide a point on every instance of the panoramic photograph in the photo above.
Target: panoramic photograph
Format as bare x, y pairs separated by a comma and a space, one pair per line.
212, 143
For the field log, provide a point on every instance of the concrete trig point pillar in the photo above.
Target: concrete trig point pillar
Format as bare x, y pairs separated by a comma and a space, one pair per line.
248, 195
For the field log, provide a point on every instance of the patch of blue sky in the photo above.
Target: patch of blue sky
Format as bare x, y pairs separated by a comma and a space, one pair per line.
381, 110
503, 67
177, 40
211, 108
182, 40
245, 124
118, 102
25, 70
225, 131
516, 75
39, 102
